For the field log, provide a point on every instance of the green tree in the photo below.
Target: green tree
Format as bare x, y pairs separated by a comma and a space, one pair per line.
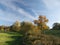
56, 26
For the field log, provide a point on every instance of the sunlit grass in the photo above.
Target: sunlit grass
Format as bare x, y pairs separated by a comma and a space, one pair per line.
6, 37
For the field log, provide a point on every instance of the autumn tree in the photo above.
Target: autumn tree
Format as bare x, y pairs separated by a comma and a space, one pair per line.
2, 28
6, 28
15, 26
41, 22
26, 26
29, 32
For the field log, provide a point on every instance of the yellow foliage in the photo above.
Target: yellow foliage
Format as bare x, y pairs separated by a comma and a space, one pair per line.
41, 22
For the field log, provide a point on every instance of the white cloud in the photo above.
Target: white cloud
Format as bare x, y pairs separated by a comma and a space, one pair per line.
9, 4
50, 4
34, 12
9, 17
20, 10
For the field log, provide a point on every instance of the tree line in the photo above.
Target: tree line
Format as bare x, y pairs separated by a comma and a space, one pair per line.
39, 24
31, 32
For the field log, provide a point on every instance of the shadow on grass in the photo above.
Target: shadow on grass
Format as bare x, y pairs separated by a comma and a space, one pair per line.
17, 41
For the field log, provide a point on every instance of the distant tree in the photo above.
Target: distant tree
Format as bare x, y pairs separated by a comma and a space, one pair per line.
41, 22
15, 26
6, 28
56, 26
2, 28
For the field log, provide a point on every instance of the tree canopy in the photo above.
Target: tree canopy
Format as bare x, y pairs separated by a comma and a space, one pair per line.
56, 26
41, 22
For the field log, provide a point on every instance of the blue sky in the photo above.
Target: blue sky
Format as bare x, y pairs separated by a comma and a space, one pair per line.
28, 10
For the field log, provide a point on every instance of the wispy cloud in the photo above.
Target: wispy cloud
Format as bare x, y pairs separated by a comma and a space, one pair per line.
9, 17
21, 12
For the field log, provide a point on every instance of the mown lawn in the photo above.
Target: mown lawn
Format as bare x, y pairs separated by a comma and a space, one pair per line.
10, 38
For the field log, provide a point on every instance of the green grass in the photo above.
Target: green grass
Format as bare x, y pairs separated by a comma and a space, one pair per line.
14, 38
10, 38
52, 32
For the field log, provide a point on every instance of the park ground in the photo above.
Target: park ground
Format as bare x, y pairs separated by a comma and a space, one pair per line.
10, 38
14, 38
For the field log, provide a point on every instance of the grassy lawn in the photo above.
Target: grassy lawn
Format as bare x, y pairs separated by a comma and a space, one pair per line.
13, 38
10, 38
